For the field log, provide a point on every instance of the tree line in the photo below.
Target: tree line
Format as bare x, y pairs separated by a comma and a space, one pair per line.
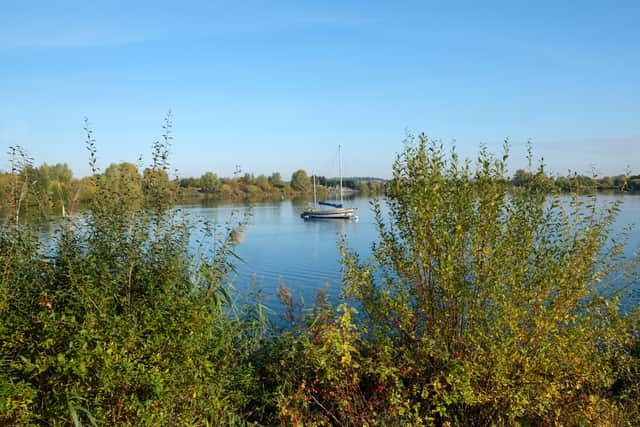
623, 182
249, 186
53, 188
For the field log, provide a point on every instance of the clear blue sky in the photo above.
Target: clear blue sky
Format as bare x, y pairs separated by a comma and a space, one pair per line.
275, 86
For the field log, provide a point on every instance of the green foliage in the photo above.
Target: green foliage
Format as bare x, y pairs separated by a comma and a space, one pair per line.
264, 184
246, 187
300, 181
578, 183
483, 304
18, 183
276, 180
124, 181
372, 187
209, 183
114, 322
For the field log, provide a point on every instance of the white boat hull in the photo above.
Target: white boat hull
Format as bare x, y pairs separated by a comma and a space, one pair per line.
339, 213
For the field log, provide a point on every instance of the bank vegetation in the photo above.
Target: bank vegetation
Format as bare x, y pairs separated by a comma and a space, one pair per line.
482, 304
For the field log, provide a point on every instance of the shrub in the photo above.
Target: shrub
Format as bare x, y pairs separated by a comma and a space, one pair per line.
484, 305
114, 321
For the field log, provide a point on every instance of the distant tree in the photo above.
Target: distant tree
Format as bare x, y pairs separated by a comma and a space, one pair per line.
248, 179
363, 188
209, 183
606, 182
584, 183
350, 183
264, 184
124, 178
5, 186
327, 182
227, 190
58, 172
38, 189
521, 178
376, 187
253, 191
620, 181
563, 183
157, 188
83, 190
190, 183
300, 181
276, 180
59, 182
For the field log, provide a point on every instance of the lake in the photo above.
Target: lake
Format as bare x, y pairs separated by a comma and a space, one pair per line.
280, 247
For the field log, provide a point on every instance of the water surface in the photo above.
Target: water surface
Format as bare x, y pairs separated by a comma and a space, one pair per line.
278, 247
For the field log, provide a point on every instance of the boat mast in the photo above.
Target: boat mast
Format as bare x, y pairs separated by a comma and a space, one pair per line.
340, 171
315, 201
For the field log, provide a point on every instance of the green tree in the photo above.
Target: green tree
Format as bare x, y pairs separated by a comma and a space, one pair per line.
247, 179
157, 188
300, 181
59, 184
124, 179
83, 190
264, 184
521, 177
620, 181
58, 172
606, 183
190, 183
38, 196
5, 186
276, 180
209, 183
228, 190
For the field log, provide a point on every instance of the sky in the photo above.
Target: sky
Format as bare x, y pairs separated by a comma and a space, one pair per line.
269, 86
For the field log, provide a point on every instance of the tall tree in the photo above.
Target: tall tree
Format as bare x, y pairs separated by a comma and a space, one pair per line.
124, 178
276, 180
209, 183
300, 181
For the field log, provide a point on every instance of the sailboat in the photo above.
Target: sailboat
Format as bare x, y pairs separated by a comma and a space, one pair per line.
334, 210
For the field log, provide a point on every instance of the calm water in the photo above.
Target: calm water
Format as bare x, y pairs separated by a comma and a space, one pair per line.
280, 247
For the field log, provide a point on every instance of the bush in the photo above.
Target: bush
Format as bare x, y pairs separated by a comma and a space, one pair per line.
483, 305
114, 321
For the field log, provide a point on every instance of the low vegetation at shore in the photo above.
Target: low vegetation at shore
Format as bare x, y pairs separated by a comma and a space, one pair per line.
483, 303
